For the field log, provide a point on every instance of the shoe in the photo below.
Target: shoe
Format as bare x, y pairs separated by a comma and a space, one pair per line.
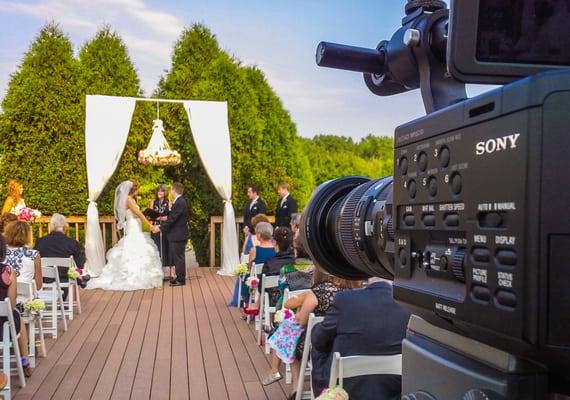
81, 283
86, 278
271, 378
167, 279
28, 370
177, 283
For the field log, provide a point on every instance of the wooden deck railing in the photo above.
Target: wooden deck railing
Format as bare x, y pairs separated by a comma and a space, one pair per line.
77, 228
216, 224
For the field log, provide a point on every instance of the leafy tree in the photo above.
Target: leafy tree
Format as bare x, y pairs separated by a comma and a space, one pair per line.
41, 131
265, 148
106, 69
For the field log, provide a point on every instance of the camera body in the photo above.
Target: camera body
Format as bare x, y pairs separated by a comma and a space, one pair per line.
474, 227
482, 231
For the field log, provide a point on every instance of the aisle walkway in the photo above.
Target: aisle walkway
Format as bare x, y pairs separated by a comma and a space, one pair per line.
173, 343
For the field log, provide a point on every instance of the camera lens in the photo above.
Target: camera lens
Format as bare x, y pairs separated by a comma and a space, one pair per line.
347, 227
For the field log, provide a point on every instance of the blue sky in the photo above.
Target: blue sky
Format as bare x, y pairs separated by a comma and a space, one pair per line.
279, 36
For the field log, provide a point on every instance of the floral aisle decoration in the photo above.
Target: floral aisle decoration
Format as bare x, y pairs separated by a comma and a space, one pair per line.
252, 282
335, 393
73, 274
34, 308
282, 315
241, 269
28, 214
158, 152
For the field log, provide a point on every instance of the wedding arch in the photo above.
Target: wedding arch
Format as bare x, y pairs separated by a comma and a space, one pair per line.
107, 125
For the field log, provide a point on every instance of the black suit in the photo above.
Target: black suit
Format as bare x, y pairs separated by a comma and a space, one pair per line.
284, 210
361, 322
56, 244
253, 208
176, 229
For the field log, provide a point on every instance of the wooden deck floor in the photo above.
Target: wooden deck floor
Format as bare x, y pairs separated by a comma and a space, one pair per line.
170, 343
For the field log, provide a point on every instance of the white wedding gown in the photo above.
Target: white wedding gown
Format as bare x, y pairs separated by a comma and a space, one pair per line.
133, 263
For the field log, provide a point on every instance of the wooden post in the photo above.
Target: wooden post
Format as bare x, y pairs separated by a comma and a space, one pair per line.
212, 243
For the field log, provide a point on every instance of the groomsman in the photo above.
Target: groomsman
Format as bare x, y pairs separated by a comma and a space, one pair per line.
286, 207
254, 206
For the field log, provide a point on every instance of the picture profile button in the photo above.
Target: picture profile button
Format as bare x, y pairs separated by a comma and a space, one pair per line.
481, 293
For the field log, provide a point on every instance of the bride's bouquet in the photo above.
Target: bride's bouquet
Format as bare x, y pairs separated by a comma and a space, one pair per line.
28, 214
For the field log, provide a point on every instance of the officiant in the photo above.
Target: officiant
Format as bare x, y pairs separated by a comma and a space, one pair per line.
160, 209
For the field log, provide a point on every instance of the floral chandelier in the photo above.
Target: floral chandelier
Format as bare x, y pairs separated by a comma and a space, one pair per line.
158, 152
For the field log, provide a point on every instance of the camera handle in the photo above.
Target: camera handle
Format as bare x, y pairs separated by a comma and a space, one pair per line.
415, 57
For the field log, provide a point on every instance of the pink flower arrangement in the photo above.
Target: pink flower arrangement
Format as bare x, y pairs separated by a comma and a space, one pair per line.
28, 214
252, 282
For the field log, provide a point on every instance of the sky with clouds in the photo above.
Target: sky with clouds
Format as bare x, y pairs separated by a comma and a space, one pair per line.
279, 36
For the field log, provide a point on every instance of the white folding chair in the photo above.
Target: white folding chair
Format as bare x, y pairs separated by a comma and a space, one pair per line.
265, 310
26, 292
51, 293
10, 341
305, 368
73, 298
351, 366
255, 270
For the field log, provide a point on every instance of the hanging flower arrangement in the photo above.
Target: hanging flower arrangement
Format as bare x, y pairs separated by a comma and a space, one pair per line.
158, 152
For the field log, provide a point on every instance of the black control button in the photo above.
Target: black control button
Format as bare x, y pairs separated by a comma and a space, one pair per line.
432, 186
444, 156
409, 219
490, 220
452, 219
456, 183
403, 165
443, 263
481, 293
481, 254
422, 161
428, 219
506, 298
403, 256
412, 188
507, 257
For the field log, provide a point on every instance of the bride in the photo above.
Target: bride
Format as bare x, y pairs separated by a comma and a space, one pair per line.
133, 263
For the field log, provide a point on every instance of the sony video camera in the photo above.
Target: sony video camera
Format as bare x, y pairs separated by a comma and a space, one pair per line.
474, 226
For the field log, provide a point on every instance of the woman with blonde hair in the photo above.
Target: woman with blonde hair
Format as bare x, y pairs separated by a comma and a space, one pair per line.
14, 202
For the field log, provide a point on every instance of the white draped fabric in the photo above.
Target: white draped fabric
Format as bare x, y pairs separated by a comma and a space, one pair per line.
107, 124
209, 124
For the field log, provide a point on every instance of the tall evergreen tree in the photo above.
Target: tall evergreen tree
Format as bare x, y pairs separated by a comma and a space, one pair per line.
106, 69
264, 143
41, 131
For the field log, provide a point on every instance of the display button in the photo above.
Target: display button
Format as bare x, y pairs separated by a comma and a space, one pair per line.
412, 188
422, 161
403, 165
456, 183
444, 156
481, 254
506, 298
507, 257
432, 186
428, 219
481, 293
452, 219
409, 219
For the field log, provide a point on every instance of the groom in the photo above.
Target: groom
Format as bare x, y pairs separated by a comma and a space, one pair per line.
176, 230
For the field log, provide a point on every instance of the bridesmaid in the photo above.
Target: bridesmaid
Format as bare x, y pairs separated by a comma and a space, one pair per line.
14, 202
162, 207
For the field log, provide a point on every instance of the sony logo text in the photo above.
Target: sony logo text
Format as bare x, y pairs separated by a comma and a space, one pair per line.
499, 144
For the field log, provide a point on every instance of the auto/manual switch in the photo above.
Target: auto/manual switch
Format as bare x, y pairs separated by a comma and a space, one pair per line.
490, 219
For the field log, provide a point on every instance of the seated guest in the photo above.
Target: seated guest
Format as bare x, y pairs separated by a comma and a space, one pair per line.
19, 254
360, 322
250, 240
57, 244
9, 289
297, 276
5, 219
295, 222
318, 300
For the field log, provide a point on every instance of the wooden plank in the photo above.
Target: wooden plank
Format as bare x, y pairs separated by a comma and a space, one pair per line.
52, 369
145, 368
110, 370
231, 375
198, 388
179, 371
78, 365
95, 370
161, 376
126, 374
212, 367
